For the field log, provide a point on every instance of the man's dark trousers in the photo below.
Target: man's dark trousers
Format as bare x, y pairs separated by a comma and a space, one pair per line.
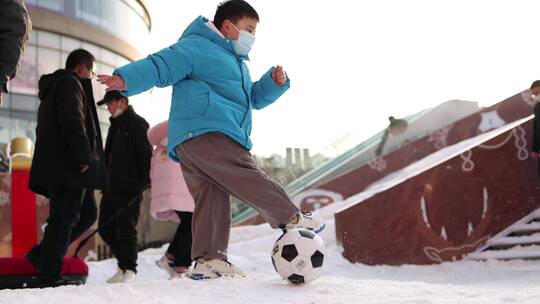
71, 212
120, 233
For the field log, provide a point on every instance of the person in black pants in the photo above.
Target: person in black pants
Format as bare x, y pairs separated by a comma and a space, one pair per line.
178, 254
67, 164
127, 155
170, 201
63, 207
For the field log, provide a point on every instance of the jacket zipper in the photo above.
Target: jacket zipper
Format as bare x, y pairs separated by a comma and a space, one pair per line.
247, 98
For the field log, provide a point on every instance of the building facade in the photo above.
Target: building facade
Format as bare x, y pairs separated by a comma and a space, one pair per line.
114, 31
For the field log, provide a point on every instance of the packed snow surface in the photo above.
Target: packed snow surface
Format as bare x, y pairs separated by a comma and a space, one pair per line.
457, 282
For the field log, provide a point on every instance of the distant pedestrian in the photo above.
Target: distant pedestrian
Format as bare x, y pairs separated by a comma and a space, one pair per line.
170, 200
127, 158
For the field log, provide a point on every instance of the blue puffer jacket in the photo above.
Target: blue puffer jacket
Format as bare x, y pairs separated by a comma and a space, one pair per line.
212, 88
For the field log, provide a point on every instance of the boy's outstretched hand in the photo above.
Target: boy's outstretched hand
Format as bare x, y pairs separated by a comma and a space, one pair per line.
112, 83
279, 76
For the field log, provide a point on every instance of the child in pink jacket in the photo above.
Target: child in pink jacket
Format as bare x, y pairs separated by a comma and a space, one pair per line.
170, 200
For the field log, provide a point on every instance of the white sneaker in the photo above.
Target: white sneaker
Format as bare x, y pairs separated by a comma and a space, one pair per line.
178, 272
214, 268
165, 263
129, 276
118, 277
306, 220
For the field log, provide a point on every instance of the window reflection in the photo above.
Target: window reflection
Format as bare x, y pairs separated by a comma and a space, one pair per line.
54, 5
46, 52
44, 56
26, 80
48, 62
125, 19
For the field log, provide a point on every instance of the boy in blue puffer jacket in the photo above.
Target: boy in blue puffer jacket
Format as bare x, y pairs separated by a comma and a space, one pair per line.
210, 124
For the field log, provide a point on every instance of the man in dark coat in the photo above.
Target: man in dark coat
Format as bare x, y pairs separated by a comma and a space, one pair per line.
67, 164
15, 26
127, 157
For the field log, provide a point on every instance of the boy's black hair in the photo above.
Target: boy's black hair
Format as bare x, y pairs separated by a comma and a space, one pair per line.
234, 10
80, 56
535, 84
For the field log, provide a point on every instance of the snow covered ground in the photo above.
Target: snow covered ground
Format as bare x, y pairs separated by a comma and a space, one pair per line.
250, 247
459, 282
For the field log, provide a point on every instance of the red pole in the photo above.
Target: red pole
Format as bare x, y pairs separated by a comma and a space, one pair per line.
23, 201
23, 214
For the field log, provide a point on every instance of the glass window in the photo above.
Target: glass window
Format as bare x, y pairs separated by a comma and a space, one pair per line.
7, 102
122, 21
70, 44
27, 78
92, 48
47, 54
33, 37
22, 127
88, 11
49, 39
49, 61
55, 5
63, 59
16, 123
125, 19
4, 129
24, 103
108, 57
106, 69
108, 14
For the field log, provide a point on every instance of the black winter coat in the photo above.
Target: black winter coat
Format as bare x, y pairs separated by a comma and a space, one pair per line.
15, 26
67, 135
128, 153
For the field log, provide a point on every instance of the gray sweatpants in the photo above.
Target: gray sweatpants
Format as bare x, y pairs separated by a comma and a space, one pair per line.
215, 167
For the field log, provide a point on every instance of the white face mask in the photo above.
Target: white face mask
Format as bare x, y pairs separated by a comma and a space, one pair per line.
244, 43
536, 97
118, 112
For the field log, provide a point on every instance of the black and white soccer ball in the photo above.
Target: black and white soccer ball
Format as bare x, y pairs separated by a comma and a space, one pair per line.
298, 256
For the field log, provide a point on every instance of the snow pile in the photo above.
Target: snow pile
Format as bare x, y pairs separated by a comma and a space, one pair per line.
459, 282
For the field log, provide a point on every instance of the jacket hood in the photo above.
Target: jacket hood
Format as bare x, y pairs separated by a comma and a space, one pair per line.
199, 28
47, 81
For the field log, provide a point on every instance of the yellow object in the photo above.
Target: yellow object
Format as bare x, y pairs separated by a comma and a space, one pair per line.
21, 163
20, 152
21, 146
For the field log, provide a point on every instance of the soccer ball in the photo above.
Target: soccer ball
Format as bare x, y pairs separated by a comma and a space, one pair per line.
298, 256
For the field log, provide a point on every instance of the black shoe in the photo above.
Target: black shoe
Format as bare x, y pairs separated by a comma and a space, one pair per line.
58, 283
33, 257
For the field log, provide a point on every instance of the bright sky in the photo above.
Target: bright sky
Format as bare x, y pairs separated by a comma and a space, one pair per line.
354, 63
